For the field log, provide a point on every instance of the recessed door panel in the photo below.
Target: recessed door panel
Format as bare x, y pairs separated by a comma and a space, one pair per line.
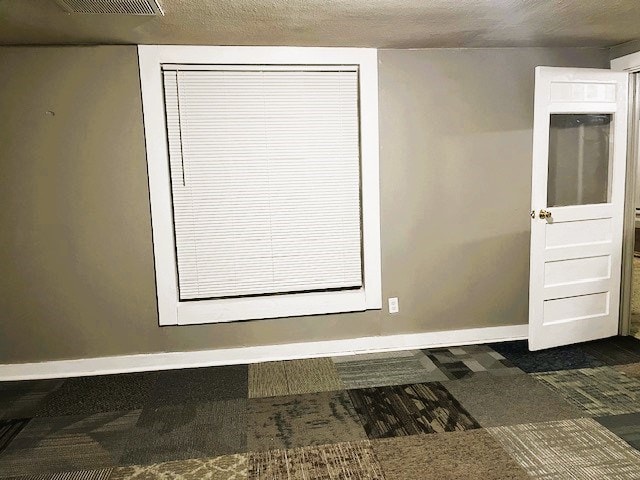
578, 232
575, 308
576, 270
563, 91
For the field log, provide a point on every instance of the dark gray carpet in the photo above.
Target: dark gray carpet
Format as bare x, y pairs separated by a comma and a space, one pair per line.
614, 351
63, 444
197, 385
510, 400
9, 429
561, 358
193, 430
103, 393
22, 399
625, 426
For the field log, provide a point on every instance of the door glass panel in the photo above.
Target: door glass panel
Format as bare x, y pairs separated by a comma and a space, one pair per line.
579, 159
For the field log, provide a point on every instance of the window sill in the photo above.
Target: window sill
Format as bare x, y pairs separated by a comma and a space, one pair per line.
276, 306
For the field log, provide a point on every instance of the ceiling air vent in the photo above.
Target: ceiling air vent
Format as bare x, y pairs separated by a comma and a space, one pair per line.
105, 7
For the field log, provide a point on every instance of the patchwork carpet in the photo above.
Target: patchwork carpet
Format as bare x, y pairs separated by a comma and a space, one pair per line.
462, 362
482, 412
274, 379
597, 391
302, 420
625, 426
389, 368
563, 358
495, 401
409, 409
193, 430
24, 399
226, 467
353, 461
571, 449
82, 442
454, 456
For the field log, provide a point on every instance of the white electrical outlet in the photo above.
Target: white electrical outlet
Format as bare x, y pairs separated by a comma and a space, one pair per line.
394, 307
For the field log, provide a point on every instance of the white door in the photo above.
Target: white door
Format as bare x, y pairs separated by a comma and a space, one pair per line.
577, 202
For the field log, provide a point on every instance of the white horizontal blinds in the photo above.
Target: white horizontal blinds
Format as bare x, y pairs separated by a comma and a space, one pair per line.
182, 206
270, 201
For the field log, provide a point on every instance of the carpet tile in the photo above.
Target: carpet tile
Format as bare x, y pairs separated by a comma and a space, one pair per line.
560, 358
614, 350
102, 474
64, 444
578, 449
627, 427
226, 467
340, 461
196, 385
495, 401
477, 412
267, 379
387, 368
409, 409
470, 455
9, 429
102, 393
462, 362
312, 375
302, 420
293, 377
193, 430
631, 369
22, 399
597, 391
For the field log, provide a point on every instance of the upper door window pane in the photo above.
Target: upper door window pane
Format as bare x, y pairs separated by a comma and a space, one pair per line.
579, 159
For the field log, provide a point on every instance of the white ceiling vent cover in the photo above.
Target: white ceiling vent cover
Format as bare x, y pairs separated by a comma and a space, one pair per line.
105, 7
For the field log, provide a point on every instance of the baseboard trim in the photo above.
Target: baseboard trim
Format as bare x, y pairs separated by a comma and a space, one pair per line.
266, 353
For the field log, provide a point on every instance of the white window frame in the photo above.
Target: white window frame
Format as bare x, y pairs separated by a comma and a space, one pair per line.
174, 312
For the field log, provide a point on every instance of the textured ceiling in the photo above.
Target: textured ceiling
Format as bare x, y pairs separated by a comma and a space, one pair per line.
371, 23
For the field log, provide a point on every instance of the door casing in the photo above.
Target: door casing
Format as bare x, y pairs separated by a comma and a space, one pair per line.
629, 63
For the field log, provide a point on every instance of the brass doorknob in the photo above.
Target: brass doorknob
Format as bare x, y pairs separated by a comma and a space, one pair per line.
544, 214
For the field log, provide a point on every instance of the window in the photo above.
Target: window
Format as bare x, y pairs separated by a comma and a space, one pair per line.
263, 174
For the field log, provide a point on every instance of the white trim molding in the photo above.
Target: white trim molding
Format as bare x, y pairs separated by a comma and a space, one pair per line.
628, 63
266, 353
174, 312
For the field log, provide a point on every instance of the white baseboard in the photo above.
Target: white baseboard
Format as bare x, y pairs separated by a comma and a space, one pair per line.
266, 353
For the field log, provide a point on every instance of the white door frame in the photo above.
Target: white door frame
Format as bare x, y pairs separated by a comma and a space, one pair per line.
629, 63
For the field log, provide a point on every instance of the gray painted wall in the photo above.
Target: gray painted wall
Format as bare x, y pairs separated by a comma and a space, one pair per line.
75, 244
